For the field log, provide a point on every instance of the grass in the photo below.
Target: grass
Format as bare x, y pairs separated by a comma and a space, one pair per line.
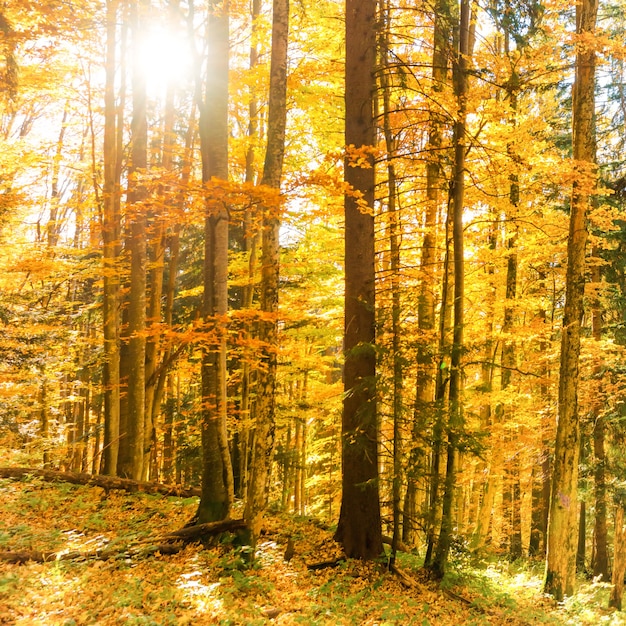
216, 586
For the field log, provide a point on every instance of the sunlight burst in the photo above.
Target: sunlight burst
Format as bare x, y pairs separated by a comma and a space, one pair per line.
165, 57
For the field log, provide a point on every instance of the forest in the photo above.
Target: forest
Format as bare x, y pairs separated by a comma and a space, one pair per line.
320, 298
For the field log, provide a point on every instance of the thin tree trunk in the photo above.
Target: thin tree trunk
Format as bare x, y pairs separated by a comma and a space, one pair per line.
455, 420
249, 243
297, 505
542, 470
441, 382
265, 419
619, 560
111, 236
600, 559
561, 553
394, 229
425, 381
582, 538
493, 467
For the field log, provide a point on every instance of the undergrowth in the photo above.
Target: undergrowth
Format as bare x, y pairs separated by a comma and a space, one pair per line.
217, 585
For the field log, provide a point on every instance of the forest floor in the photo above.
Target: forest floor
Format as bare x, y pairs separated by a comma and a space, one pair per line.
212, 585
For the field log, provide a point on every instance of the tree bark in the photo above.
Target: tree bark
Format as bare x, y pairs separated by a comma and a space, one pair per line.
265, 419
217, 474
619, 560
394, 234
425, 381
131, 466
561, 553
359, 527
111, 236
455, 419
601, 559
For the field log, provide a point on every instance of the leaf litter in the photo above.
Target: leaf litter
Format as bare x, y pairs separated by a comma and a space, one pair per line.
216, 584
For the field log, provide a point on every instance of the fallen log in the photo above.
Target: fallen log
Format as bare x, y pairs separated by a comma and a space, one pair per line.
406, 581
325, 564
400, 545
200, 531
106, 554
100, 480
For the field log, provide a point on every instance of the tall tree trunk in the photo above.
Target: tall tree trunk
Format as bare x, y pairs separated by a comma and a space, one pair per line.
111, 236
542, 470
136, 244
455, 420
509, 360
394, 233
561, 554
249, 239
359, 528
493, 468
217, 474
433, 518
265, 419
425, 355
601, 559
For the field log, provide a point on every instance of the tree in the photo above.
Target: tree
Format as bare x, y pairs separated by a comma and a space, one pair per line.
619, 568
111, 235
265, 421
131, 464
425, 357
217, 473
455, 420
562, 535
359, 527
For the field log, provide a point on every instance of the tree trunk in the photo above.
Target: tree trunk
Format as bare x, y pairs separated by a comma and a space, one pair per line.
359, 528
111, 236
217, 474
619, 560
425, 356
247, 242
561, 554
265, 419
394, 232
542, 470
582, 538
600, 558
434, 500
493, 467
455, 420
136, 245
